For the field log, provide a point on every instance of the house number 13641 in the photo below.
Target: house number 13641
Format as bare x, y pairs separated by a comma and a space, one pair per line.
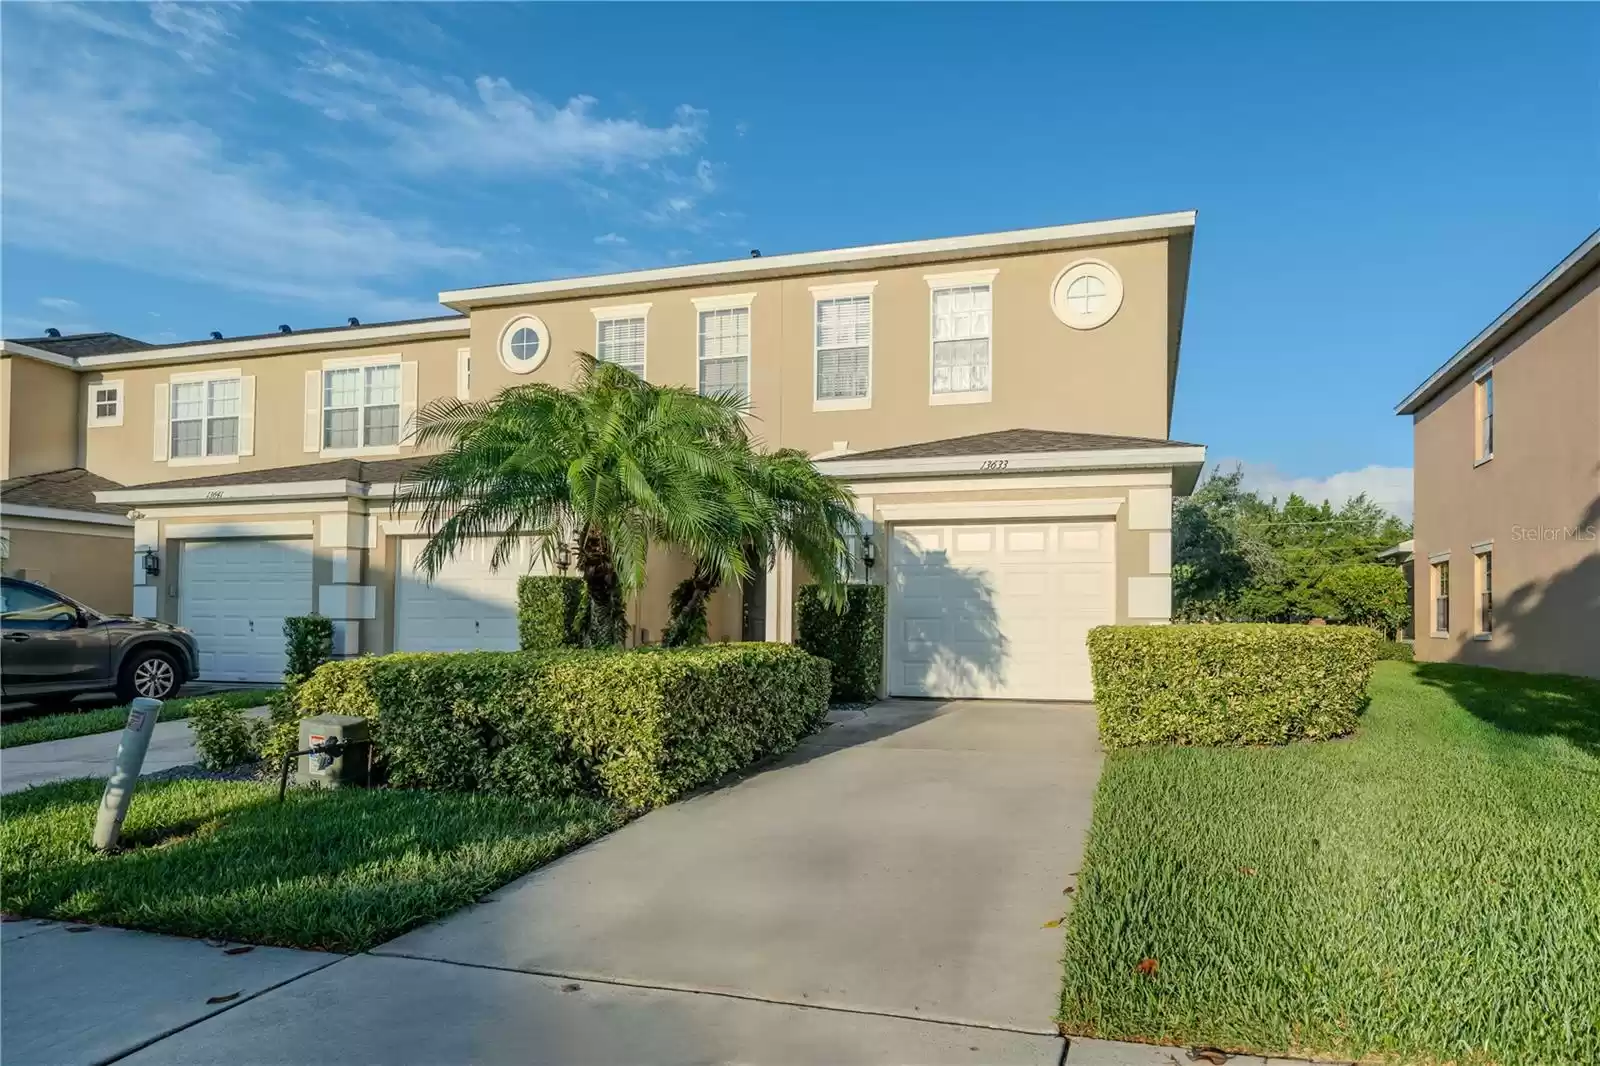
994, 464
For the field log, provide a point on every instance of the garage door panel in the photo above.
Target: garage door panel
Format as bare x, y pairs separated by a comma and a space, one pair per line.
234, 595
467, 606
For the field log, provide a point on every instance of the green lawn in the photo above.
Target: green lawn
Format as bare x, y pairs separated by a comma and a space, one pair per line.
1427, 890
83, 723
338, 870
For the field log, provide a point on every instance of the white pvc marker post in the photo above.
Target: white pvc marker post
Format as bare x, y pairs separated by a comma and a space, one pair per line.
125, 773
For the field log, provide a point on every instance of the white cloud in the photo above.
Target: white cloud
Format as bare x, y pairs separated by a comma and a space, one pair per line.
58, 303
611, 238
1387, 486
490, 127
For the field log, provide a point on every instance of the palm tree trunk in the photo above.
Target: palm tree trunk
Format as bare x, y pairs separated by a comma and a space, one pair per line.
689, 599
606, 625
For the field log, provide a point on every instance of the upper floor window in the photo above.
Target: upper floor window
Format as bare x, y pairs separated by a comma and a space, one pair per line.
963, 325
1086, 294
724, 350
843, 349
1483, 402
204, 418
361, 406
105, 404
620, 339
524, 344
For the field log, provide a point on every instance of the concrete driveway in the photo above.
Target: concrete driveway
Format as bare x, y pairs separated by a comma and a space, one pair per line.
882, 895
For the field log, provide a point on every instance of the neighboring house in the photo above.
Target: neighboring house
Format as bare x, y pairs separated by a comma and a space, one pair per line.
52, 529
1403, 555
1508, 484
1000, 404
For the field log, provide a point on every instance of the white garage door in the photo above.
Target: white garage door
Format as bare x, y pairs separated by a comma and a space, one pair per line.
998, 610
235, 595
466, 607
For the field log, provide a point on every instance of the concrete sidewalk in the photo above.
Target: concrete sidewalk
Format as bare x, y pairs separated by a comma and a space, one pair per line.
172, 744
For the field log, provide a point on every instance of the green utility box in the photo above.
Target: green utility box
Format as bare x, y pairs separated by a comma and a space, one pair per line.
351, 767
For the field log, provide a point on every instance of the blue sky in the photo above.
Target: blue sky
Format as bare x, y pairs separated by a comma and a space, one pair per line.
1374, 183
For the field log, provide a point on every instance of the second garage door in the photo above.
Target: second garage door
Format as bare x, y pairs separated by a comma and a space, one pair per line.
466, 607
998, 610
235, 595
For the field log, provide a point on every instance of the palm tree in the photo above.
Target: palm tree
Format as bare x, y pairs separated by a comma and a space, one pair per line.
782, 502
609, 466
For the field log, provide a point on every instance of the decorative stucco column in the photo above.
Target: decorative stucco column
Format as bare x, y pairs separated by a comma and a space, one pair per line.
1150, 595
344, 537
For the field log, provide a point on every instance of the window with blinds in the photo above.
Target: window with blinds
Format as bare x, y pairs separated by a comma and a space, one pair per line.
621, 341
844, 348
725, 352
962, 324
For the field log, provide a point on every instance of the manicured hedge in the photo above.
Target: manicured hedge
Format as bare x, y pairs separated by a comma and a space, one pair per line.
308, 643
1397, 650
852, 641
550, 610
1228, 684
639, 728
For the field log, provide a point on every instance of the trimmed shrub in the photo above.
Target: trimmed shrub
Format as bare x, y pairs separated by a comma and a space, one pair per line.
308, 643
639, 728
550, 611
1396, 651
224, 737
1367, 594
852, 640
1237, 683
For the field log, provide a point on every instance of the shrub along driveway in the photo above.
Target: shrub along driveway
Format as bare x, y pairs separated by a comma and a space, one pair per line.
910, 864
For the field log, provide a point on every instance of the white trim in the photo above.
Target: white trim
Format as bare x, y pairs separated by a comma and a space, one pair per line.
502, 346
843, 290
819, 293
28, 351
1485, 368
62, 514
236, 530
463, 373
342, 529
903, 253
961, 278
363, 452
1512, 319
1101, 459
253, 508
1483, 546
400, 527
1107, 507
726, 302
222, 374
352, 361
988, 484
202, 460
279, 342
363, 362
949, 399
208, 493
1438, 557
621, 311
94, 421
1114, 293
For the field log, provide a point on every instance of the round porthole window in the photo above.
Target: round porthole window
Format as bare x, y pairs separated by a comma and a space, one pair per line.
524, 345
1086, 294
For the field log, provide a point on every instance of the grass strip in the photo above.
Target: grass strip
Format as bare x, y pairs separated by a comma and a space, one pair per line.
337, 870
70, 724
1426, 890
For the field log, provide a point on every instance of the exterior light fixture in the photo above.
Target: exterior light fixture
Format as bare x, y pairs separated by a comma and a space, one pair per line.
869, 553
563, 558
152, 563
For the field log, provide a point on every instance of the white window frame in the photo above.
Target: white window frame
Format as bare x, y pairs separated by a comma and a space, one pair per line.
524, 366
1482, 410
731, 302
963, 279
1482, 566
97, 420
623, 313
1434, 561
360, 363
205, 376
852, 290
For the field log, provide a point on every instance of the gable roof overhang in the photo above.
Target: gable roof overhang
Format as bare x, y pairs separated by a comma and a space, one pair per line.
1546, 291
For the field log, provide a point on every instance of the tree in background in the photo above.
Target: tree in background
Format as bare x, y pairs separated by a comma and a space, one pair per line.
1237, 557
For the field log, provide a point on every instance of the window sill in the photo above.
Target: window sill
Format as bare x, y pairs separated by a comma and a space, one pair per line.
941, 399
1483, 636
104, 423
856, 403
1437, 634
357, 453
1485, 459
203, 460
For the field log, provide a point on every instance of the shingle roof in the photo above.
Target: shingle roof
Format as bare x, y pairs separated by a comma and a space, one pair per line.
76, 344
1014, 442
314, 331
381, 472
68, 490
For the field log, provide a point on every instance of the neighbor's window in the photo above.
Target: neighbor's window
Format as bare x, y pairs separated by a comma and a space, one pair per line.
844, 348
105, 403
361, 406
1441, 597
725, 352
1485, 405
962, 324
205, 418
621, 341
1485, 567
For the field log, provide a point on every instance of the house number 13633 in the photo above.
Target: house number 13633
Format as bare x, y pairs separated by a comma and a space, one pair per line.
994, 464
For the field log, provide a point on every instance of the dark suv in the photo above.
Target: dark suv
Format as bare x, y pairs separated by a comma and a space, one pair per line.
53, 648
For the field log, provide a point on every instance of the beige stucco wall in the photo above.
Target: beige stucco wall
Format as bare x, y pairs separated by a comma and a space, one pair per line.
125, 453
1045, 375
1537, 500
88, 563
43, 420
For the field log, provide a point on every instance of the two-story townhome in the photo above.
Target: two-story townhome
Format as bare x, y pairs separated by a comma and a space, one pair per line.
1507, 543
999, 403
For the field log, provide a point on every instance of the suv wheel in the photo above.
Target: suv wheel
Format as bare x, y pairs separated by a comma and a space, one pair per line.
153, 674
